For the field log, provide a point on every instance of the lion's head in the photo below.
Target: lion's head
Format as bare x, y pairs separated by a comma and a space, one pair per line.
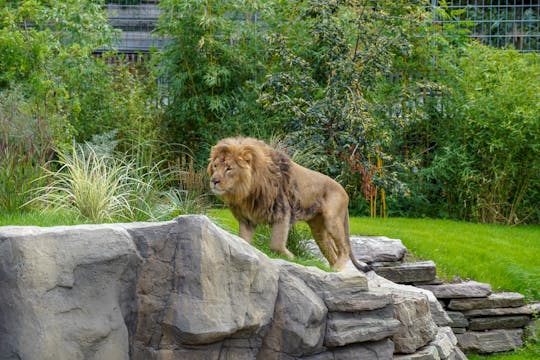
239, 166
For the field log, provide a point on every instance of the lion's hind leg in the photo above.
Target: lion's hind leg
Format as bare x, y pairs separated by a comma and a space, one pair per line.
323, 240
334, 223
337, 235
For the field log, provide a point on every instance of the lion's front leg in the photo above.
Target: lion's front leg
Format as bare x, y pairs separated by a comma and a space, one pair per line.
247, 230
278, 242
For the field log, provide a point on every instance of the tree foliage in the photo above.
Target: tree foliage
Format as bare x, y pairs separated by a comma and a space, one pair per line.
327, 64
371, 93
487, 159
209, 64
54, 91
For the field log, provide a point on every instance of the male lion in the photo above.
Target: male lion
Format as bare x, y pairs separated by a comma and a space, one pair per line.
264, 186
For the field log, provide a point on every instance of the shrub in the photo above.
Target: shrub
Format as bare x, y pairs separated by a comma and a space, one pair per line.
210, 63
99, 187
325, 61
486, 161
20, 163
24, 148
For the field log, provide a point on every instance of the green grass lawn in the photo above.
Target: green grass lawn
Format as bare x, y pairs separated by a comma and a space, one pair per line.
37, 218
506, 257
503, 256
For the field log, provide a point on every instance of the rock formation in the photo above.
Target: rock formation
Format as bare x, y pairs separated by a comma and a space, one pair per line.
186, 289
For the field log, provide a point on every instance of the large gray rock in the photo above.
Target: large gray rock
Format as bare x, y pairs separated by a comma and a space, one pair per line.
423, 271
491, 341
345, 328
370, 249
186, 289
412, 309
299, 322
199, 285
66, 292
343, 291
377, 249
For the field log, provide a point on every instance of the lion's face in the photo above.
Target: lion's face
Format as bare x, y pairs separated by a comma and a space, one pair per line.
229, 175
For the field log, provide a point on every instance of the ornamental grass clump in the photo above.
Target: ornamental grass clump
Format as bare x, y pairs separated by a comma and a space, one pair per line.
99, 187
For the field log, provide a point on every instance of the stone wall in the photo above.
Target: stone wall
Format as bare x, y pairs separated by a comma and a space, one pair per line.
186, 289
483, 321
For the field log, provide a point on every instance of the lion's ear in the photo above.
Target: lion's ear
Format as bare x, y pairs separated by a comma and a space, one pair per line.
247, 154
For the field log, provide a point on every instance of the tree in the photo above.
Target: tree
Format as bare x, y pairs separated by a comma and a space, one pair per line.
210, 63
328, 62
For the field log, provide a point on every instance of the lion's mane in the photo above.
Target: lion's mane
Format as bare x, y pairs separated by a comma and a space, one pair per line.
265, 182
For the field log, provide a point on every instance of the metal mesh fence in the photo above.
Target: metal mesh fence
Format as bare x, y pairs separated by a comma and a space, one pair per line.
137, 19
498, 23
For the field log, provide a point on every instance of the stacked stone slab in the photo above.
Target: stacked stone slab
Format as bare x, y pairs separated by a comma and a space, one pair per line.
483, 321
186, 289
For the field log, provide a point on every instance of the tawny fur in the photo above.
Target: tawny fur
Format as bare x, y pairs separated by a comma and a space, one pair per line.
264, 186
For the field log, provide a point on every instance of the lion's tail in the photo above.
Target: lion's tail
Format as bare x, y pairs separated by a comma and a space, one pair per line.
362, 266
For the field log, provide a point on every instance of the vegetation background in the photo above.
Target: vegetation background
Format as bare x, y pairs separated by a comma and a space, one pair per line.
412, 120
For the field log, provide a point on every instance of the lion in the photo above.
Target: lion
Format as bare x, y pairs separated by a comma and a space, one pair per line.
262, 185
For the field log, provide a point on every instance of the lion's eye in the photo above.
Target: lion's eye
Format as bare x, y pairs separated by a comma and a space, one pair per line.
228, 170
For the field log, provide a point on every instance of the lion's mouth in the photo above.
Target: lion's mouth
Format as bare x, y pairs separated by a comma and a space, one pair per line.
217, 191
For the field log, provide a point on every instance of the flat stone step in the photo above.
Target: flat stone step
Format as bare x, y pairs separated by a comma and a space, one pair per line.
409, 272
497, 300
467, 289
377, 249
498, 322
522, 310
486, 342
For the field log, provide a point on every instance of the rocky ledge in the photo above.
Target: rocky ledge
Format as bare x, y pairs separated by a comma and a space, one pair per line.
186, 289
482, 321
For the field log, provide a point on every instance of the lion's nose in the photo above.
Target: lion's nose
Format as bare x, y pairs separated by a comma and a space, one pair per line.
215, 181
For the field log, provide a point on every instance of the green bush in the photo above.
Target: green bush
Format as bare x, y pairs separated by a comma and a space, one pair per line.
42, 45
486, 162
20, 171
336, 75
53, 90
210, 62
97, 186
23, 150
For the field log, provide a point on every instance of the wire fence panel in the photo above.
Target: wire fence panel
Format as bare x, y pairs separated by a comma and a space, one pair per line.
498, 23
136, 19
